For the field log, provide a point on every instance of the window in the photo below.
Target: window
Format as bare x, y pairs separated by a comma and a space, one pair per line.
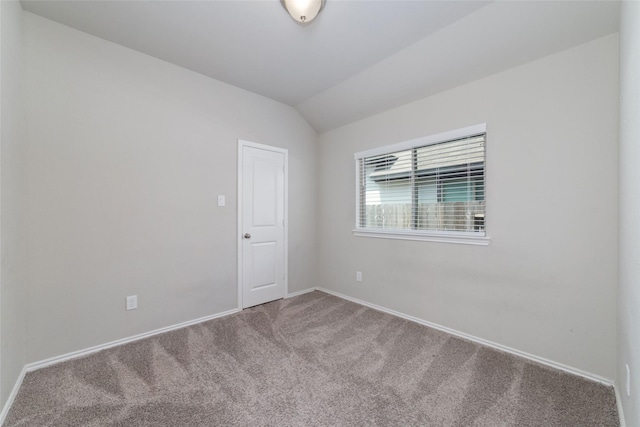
432, 188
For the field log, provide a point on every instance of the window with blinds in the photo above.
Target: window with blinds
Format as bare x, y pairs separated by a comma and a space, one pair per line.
433, 185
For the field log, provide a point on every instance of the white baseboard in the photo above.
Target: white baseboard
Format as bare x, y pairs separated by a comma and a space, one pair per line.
80, 353
12, 396
532, 357
623, 422
29, 367
295, 294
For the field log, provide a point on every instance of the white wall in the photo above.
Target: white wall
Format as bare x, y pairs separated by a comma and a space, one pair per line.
629, 212
546, 284
12, 289
126, 155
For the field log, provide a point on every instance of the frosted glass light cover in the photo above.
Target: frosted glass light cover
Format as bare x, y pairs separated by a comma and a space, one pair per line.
303, 10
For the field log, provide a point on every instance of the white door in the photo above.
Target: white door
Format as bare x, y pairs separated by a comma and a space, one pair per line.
262, 223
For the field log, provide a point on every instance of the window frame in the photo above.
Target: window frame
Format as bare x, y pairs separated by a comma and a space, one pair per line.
460, 237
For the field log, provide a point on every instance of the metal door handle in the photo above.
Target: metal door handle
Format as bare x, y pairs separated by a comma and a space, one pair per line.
247, 235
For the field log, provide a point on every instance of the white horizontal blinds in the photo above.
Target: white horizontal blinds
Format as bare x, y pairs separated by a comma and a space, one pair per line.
450, 185
388, 196
437, 187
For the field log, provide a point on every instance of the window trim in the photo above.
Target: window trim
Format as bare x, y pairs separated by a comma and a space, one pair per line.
418, 235
430, 236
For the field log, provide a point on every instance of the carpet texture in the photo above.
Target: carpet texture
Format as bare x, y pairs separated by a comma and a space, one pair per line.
312, 360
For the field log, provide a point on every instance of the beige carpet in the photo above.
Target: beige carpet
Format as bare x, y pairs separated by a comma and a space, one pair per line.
313, 360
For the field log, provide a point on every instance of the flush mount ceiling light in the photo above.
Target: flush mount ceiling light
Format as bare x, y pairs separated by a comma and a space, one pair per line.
303, 11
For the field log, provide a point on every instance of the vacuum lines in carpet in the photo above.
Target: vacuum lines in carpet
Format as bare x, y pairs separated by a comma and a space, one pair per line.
312, 360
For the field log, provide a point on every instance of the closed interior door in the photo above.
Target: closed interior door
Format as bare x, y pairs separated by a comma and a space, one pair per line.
262, 217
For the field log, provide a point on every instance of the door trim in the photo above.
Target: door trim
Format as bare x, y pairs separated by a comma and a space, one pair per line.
241, 145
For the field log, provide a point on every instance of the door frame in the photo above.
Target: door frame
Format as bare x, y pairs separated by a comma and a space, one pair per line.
241, 145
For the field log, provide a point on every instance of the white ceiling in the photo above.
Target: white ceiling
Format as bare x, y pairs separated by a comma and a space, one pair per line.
358, 58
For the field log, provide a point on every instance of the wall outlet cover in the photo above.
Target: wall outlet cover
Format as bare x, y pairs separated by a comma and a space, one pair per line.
132, 302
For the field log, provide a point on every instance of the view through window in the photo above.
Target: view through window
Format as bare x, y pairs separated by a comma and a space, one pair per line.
429, 187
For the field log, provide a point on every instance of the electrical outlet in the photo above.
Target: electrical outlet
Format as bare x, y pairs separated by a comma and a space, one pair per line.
628, 381
359, 276
132, 302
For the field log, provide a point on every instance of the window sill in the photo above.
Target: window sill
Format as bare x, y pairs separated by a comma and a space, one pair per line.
457, 238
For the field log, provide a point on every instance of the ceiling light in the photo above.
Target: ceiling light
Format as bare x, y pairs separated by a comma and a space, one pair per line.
303, 10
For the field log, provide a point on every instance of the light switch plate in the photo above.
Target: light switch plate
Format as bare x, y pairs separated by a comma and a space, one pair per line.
221, 200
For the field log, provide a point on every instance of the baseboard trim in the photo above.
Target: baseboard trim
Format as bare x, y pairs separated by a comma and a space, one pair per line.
81, 353
529, 356
298, 293
623, 422
12, 396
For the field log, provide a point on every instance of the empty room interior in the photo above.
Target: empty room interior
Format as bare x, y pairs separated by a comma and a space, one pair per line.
320, 213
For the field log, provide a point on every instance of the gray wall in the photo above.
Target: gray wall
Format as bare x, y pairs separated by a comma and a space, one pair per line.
546, 284
126, 155
12, 288
629, 212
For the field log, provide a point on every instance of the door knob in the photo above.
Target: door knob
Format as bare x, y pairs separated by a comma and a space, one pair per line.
247, 235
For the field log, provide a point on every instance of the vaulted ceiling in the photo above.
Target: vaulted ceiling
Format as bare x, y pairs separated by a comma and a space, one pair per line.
358, 58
